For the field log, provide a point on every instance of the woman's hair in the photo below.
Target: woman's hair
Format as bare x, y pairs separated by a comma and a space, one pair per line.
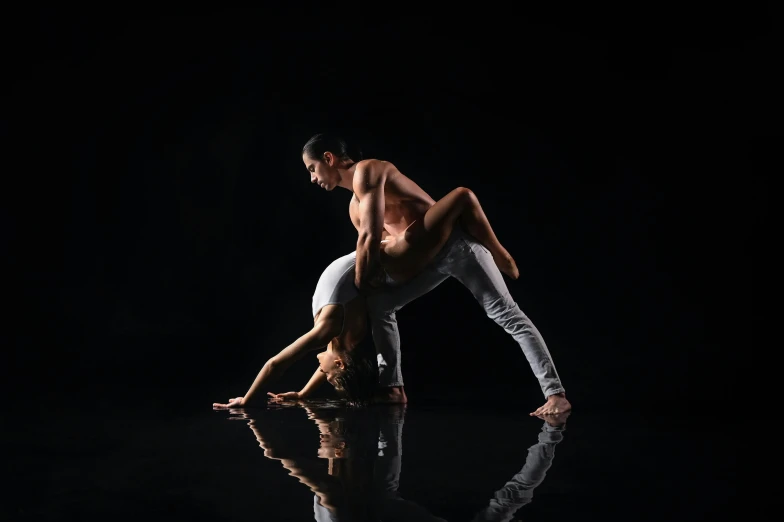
321, 143
358, 380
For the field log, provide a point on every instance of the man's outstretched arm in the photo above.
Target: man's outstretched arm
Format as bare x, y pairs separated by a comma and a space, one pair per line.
369, 189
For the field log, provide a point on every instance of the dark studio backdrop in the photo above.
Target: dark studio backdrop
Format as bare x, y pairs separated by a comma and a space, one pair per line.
163, 239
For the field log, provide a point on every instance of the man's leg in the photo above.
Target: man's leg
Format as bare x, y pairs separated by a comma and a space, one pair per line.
478, 272
382, 308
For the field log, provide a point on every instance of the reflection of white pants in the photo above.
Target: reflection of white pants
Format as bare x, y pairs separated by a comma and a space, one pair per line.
386, 472
469, 262
519, 490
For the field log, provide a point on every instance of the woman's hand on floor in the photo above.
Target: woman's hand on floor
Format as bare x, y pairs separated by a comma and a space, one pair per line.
280, 397
236, 402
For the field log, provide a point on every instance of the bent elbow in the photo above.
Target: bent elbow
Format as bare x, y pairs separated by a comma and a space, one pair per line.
324, 332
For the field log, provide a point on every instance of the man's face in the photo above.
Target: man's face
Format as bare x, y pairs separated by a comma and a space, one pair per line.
322, 172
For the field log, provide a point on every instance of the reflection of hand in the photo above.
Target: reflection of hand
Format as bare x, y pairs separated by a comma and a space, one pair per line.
280, 397
236, 402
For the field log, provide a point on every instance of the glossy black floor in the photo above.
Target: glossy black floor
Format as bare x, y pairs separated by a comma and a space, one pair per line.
322, 461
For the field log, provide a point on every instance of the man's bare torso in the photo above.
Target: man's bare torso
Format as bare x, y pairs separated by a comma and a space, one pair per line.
404, 201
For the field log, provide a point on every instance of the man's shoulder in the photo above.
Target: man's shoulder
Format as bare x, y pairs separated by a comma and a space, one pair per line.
370, 166
370, 173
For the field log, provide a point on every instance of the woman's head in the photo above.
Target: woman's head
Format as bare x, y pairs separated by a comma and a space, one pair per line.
353, 373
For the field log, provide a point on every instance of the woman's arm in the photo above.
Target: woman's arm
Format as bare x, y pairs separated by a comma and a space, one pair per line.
317, 380
326, 328
318, 337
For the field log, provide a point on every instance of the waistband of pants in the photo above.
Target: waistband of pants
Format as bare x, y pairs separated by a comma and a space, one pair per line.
456, 235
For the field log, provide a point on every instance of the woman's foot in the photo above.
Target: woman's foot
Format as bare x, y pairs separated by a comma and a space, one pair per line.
506, 263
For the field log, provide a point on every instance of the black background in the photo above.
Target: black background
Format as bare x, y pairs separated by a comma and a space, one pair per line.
163, 239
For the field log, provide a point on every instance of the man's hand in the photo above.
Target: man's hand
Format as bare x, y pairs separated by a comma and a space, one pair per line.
236, 402
280, 397
378, 283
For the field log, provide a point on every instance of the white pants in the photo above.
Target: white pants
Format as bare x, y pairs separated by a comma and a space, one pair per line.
469, 262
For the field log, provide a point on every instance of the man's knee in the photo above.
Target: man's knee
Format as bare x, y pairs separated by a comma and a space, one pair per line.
505, 309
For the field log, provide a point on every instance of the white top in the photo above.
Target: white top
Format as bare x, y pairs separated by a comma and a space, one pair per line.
336, 284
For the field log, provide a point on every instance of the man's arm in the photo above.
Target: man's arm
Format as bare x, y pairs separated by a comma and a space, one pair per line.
369, 189
353, 212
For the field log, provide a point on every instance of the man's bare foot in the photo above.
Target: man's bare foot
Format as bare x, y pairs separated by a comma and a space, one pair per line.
555, 404
556, 419
506, 263
391, 395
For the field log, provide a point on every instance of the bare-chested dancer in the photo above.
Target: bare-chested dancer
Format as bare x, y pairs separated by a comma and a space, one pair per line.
340, 315
412, 243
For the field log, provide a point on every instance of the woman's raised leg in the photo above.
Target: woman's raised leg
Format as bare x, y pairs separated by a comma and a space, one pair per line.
407, 254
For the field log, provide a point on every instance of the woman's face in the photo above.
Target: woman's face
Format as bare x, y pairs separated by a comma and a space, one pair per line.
330, 364
331, 446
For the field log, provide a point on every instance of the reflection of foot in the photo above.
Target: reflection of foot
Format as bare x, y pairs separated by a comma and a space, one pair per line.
506, 264
555, 404
556, 420
391, 395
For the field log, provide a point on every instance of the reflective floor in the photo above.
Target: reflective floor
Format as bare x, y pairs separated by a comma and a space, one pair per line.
322, 461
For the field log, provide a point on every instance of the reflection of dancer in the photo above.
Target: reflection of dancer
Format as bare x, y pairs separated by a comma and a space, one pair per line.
519, 491
348, 437
390, 211
342, 489
364, 449
386, 479
516, 493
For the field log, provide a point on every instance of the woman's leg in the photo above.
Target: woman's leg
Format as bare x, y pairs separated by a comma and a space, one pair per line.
406, 255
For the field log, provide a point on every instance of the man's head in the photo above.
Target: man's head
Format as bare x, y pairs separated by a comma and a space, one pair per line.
323, 156
354, 373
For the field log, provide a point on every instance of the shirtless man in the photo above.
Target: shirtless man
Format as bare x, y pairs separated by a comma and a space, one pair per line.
388, 207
